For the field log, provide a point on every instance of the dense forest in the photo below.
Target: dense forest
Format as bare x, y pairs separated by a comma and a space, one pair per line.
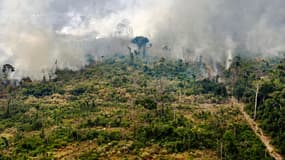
263, 83
126, 107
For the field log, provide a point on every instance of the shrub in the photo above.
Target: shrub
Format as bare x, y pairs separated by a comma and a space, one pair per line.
37, 125
89, 156
4, 144
42, 90
106, 137
147, 102
79, 90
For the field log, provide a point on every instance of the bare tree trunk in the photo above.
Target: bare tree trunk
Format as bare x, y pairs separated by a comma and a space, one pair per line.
8, 107
221, 150
256, 99
174, 115
180, 94
10, 98
232, 89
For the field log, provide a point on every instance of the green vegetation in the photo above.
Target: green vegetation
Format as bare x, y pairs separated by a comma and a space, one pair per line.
123, 110
269, 77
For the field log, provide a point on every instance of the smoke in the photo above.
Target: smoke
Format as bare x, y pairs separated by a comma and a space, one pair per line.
30, 43
255, 25
35, 34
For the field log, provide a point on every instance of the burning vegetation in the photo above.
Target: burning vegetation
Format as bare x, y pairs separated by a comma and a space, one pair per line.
204, 80
144, 107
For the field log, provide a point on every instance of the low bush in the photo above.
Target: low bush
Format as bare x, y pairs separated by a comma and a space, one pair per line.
147, 102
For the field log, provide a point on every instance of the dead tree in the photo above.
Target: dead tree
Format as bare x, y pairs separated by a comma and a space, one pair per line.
256, 101
131, 55
6, 70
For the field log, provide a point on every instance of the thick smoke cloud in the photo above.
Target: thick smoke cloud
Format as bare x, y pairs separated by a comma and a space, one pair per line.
215, 27
35, 34
29, 42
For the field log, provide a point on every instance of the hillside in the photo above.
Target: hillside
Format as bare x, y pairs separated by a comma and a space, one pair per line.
124, 108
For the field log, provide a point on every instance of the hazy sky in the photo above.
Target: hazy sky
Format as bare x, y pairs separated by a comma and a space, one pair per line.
35, 33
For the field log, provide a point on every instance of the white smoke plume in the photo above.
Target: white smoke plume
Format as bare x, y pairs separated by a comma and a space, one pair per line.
35, 34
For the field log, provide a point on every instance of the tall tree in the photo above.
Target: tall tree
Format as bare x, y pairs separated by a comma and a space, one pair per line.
141, 43
8, 69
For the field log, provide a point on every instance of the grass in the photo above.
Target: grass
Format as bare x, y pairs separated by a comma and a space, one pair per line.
118, 111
